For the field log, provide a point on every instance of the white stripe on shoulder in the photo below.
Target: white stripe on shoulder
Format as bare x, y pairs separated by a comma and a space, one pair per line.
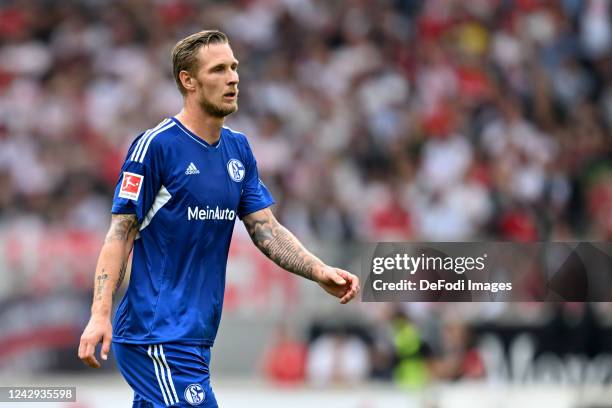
151, 137
162, 197
147, 133
163, 357
157, 375
163, 374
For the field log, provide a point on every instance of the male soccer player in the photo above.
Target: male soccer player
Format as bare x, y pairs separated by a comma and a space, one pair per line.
181, 187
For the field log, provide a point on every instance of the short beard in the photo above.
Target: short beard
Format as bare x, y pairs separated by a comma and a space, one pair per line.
216, 111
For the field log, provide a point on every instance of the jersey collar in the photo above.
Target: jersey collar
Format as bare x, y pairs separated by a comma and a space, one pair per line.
197, 138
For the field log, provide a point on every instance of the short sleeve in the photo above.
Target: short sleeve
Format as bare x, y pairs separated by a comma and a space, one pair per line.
138, 184
255, 195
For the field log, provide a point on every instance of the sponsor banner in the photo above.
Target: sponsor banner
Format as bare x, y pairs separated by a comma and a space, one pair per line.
487, 272
560, 351
208, 213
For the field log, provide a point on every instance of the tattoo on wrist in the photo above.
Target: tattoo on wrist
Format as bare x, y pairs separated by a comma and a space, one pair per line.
281, 247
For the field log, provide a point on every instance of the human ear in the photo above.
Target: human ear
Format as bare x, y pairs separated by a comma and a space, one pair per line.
187, 80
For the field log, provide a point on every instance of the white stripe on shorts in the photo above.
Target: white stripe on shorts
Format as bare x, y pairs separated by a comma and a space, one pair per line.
163, 357
163, 374
157, 375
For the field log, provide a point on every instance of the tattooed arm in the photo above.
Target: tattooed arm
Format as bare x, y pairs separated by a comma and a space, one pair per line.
110, 271
282, 247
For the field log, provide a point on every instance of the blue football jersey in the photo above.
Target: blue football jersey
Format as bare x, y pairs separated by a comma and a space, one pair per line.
186, 195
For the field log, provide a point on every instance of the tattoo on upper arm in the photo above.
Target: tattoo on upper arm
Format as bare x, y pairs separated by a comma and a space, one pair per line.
122, 225
281, 246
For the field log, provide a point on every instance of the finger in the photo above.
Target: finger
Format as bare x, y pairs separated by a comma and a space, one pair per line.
90, 358
345, 291
106, 345
83, 348
353, 281
342, 274
92, 362
80, 353
355, 284
348, 297
354, 288
337, 277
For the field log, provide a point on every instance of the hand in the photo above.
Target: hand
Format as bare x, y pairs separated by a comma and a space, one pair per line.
338, 282
98, 330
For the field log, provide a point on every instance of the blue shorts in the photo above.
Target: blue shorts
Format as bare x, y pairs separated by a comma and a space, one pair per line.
167, 375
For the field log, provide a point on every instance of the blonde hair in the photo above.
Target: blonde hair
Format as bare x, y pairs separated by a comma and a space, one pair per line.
184, 53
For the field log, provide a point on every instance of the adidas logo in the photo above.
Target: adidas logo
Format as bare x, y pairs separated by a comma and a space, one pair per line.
192, 169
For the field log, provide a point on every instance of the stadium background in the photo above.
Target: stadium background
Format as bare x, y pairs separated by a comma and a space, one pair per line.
383, 120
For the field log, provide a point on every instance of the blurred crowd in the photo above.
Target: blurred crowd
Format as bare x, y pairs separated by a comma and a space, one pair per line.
437, 120
416, 349
371, 120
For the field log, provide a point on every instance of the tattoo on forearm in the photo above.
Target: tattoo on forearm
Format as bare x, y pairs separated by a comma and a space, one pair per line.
281, 246
121, 276
122, 225
123, 228
100, 286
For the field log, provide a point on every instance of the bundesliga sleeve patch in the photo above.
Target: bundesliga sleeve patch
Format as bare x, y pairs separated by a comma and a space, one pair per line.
130, 185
